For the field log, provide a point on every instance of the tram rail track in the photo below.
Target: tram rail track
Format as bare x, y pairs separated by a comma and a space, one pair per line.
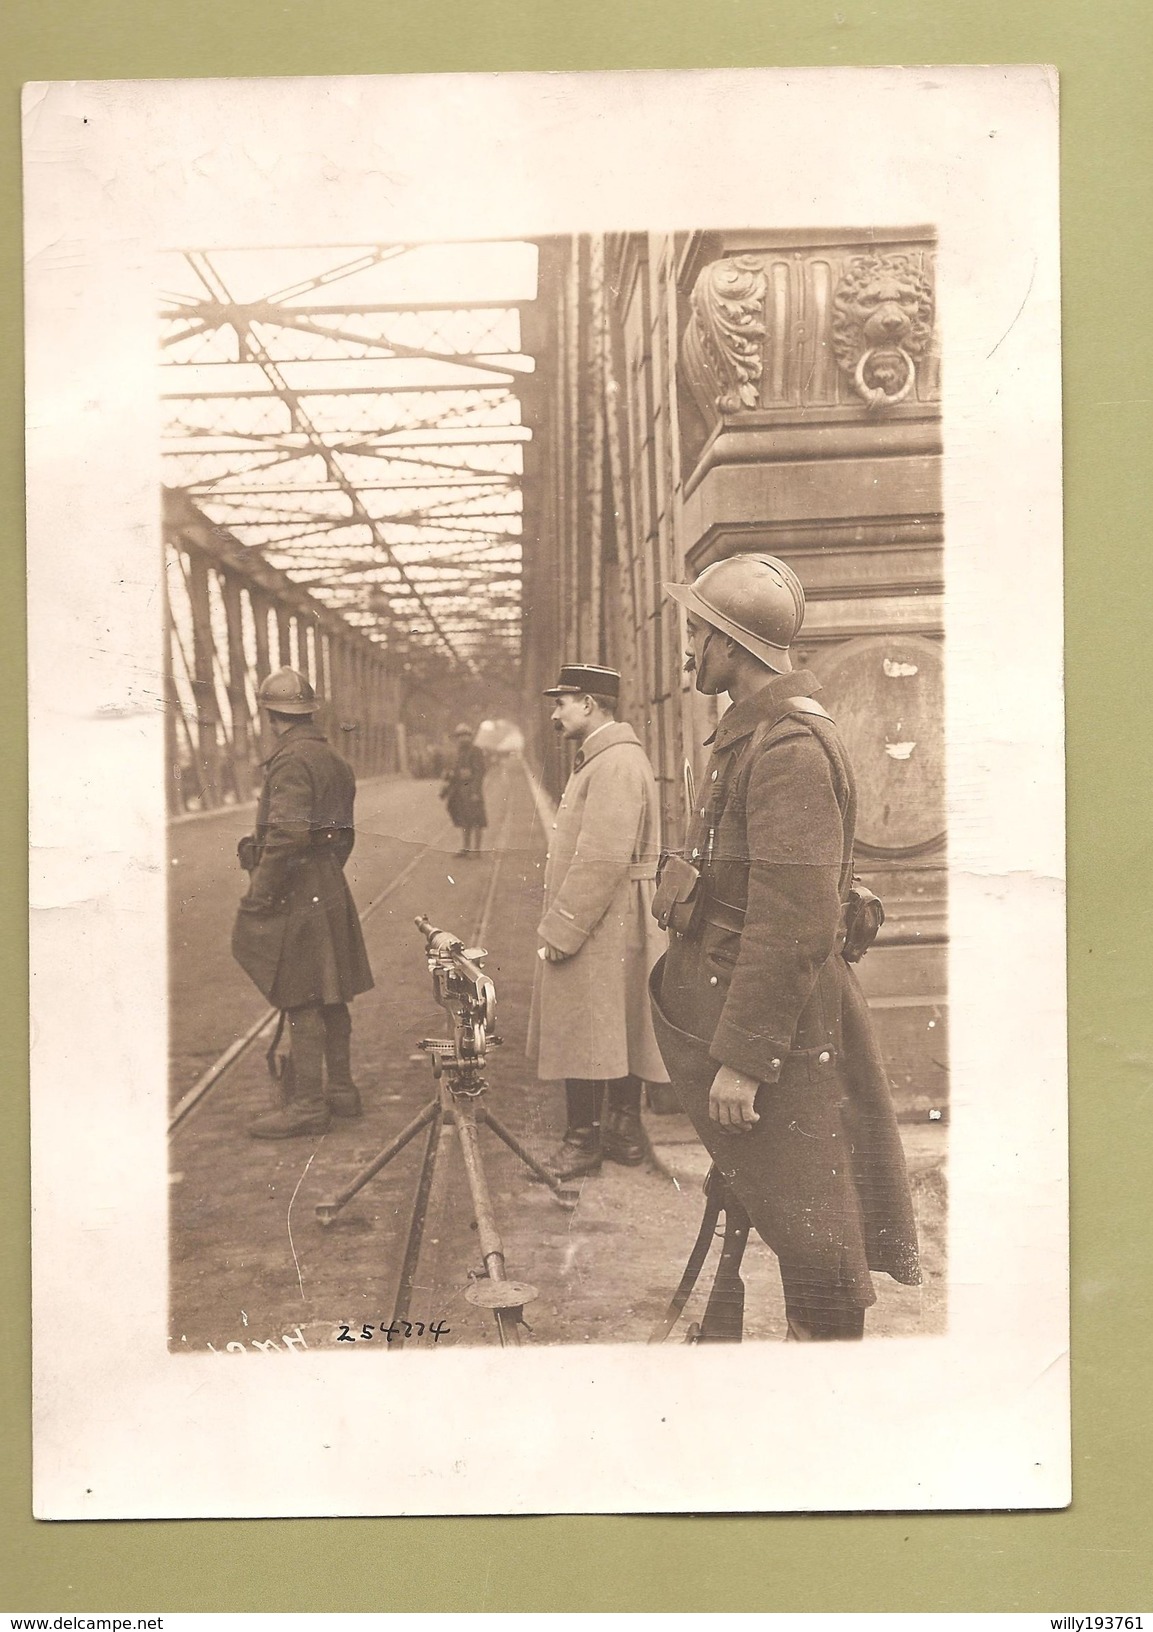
239, 1047
248, 1260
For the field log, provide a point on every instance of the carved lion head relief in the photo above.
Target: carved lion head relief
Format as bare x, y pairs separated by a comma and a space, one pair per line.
882, 322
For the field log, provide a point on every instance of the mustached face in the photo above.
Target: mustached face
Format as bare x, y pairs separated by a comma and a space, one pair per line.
570, 717
700, 659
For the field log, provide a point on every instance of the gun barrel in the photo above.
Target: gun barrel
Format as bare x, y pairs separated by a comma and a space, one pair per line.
439, 943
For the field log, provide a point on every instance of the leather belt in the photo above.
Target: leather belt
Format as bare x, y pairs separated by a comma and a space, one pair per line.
732, 919
322, 836
722, 916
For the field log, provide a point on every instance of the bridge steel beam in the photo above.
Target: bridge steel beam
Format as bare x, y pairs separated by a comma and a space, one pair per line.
231, 619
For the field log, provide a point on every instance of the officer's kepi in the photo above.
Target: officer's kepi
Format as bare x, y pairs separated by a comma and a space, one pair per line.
586, 679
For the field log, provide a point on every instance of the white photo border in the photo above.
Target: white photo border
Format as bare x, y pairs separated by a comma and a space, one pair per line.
115, 172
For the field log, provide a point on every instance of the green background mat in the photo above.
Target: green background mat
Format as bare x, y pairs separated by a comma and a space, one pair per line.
1095, 1556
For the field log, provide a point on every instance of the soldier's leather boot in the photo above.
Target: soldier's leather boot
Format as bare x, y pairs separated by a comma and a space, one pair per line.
341, 1092
579, 1152
577, 1155
307, 1112
624, 1140
818, 1308
344, 1099
302, 1116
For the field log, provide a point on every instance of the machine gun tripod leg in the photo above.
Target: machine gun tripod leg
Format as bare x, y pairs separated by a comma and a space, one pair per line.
564, 1193
467, 994
326, 1211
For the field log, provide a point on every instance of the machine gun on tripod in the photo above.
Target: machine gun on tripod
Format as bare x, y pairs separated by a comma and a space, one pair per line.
468, 997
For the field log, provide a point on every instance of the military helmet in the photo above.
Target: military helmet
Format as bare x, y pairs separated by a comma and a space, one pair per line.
756, 599
287, 691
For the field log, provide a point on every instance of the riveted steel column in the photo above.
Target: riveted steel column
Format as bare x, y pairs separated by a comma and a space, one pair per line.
335, 682
303, 661
322, 679
259, 602
284, 637
322, 683
174, 793
367, 713
356, 739
237, 691
203, 686
349, 708
387, 742
372, 702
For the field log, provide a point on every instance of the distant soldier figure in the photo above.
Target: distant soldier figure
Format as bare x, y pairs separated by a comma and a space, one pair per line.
590, 1022
760, 1018
464, 790
297, 933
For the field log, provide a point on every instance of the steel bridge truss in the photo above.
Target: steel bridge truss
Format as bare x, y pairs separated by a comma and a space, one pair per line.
345, 459
369, 448
231, 619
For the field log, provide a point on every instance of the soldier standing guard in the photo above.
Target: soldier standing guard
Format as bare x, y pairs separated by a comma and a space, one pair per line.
297, 933
464, 790
590, 1021
760, 1018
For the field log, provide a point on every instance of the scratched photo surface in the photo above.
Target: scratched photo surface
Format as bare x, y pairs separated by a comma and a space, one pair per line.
406, 415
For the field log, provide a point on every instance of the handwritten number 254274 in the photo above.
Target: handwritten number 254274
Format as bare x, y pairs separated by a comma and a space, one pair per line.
435, 1329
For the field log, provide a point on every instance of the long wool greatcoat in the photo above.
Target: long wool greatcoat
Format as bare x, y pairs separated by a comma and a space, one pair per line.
297, 933
758, 983
590, 1015
464, 787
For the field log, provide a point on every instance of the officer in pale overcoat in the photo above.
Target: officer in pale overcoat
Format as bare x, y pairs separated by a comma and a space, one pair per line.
761, 1021
590, 1021
297, 933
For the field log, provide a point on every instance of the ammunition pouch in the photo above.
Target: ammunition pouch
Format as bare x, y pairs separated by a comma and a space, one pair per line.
682, 902
861, 918
677, 895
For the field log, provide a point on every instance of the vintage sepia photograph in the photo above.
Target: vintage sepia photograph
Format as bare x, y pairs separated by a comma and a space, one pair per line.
496, 538
545, 784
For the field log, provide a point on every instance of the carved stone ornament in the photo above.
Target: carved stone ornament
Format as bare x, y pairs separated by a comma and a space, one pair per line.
882, 323
723, 342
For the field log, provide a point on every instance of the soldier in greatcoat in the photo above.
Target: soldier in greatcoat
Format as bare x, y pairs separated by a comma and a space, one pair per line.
463, 790
590, 1021
297, 933
761, 1020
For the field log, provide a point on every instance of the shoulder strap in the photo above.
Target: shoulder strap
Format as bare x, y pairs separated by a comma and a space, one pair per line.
810, 707
790, 705
848, 868
806, 705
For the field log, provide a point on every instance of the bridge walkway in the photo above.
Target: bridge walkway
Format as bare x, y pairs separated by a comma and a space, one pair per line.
251, 1264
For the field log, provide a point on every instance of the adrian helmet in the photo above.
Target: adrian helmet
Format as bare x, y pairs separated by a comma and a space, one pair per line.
286, 691
756, 599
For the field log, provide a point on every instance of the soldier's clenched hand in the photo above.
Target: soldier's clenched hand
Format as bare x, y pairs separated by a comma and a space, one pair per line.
553, 954
731, 1099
